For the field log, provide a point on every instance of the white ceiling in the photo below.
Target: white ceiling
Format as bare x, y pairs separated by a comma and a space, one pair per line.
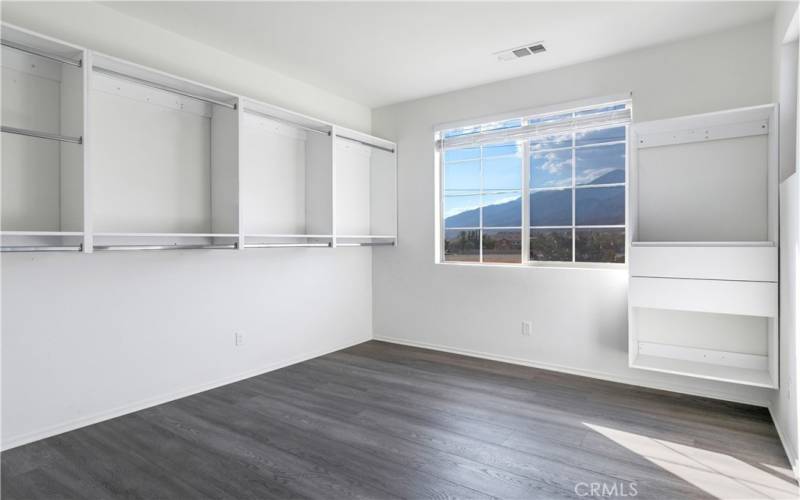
378, 53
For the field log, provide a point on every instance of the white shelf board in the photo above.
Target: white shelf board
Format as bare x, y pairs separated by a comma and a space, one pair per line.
747, 298
361, 136
167, 235
739, 263
703, 243
285, 115
708, 371
380, 236
256, 235
138, 71
41, 233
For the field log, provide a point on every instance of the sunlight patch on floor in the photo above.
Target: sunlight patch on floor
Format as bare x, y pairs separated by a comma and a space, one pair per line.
718, 474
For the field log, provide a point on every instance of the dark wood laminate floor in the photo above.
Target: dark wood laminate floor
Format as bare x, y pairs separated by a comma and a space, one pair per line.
386, 421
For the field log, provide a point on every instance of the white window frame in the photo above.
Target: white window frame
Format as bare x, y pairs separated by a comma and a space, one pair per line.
526, 189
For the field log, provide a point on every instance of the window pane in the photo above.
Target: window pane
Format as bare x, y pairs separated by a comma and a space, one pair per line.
462, 175
551, 169
462, 246
599, 136
462, 131
601, 109
502, 125
600, 245
600, 206
502, 173
500, 150
551, 142
552, 207
502, 245
550, 118
461, 210
456, 154
600, 165
551, 245
502, 209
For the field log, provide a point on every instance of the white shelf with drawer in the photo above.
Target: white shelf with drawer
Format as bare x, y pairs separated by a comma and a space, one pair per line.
703, 246
734, 261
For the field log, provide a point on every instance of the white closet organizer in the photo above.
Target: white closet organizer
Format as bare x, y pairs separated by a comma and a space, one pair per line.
365, 190
164, 153
703, 246
42, 143
286, 178
103, 154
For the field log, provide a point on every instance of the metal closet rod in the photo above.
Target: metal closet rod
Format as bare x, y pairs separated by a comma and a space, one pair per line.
148, 83
367, 244
287, 122
41, 135
287, 245
231, 246
41, 248
30, 50
364, 143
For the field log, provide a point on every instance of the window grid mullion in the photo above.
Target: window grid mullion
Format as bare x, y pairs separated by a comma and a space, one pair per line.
573, 196
480, 212
526, 199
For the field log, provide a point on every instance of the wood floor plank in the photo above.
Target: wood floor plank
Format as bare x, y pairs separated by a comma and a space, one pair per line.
675, 426
383, 421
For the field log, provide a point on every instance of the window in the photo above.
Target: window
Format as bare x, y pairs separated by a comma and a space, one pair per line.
544, 188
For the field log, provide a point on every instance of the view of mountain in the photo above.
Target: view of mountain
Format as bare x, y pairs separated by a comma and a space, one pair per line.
597, 206
613, 177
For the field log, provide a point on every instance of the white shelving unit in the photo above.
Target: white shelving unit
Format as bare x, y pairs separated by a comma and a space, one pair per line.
164, 152
42, 169
703, 246
365, 190
104, 154
286, 178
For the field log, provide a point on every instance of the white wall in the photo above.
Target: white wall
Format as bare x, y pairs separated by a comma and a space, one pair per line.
87, 337
784, 403
100, 28
579, 316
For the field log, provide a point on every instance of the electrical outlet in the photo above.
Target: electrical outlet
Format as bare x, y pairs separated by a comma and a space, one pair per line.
238, 338
527, 328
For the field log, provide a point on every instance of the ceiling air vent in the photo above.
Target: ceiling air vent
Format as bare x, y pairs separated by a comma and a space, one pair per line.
519, 52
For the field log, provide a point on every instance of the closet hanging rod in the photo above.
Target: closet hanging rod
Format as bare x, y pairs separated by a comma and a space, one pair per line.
41, 135
40, 53
27, 248
148, 83
231, 246
368, 244
287, 245
364, 143
285, 121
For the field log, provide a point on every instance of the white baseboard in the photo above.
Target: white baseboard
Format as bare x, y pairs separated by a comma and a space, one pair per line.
684, 389
790, 454
14, 441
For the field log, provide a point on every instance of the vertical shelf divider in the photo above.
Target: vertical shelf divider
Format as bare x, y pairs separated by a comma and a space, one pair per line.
88, 191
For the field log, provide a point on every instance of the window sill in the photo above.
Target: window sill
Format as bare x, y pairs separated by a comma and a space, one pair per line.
582, 266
